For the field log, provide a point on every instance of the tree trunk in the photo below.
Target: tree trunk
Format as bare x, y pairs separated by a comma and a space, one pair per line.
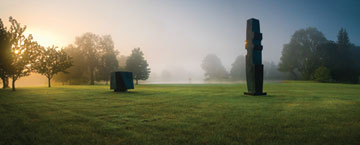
49, 85
92, 82
5, 81
106, 82
137, 82
13, 83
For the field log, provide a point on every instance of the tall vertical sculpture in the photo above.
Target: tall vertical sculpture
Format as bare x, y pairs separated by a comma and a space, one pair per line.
254, 66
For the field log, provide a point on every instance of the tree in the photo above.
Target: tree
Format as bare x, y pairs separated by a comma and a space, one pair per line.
52, 61
271, 71
89, 45
355, 51
78, 73
108, 64
23, 52
345, 67
108, 61
214, 70
94, 58
5, 59
322, 74
298, 55
327, 54
238, 70
137, 64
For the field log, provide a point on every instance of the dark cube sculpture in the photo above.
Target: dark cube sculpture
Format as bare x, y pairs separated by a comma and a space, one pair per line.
121, 81
254, 66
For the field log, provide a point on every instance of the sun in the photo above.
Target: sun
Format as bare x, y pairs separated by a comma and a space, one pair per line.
45, 38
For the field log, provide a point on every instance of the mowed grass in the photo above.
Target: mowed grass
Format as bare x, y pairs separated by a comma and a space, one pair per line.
292, 113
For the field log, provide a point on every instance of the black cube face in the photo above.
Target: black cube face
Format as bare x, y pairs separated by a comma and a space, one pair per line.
121, 81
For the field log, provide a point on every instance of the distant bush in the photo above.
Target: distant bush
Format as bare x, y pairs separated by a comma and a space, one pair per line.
322, 74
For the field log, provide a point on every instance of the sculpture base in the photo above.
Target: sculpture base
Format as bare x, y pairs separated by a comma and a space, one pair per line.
120, 90
255, 94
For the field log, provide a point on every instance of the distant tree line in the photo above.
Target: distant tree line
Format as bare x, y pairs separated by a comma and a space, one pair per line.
310, 56
91, 58
95, 58
215, 71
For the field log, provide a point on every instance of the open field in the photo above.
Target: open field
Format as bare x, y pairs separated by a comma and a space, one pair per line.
292, 113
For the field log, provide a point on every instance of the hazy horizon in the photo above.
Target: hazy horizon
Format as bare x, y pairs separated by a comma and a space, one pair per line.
175, 36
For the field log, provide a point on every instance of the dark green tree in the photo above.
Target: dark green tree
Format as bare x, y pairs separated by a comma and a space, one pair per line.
298, 55
214, 70
238, 69
51, 61
5, 58
137, 64
322, 74
327, 54
345, 67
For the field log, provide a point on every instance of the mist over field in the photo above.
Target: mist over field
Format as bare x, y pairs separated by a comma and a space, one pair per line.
176, 36
179, 72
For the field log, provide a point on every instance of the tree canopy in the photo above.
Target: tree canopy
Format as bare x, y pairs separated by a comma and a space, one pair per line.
23, 52
5, 58
137, 64
308, 51
94, 57
51, 61
238, 69
298, 55
214, 70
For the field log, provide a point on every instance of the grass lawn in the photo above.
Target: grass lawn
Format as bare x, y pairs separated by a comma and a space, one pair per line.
292, 113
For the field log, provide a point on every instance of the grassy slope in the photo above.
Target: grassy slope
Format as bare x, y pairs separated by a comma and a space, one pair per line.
292, 113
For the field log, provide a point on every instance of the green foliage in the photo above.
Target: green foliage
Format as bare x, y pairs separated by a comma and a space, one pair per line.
108, 61
343, 40
292, 113
78, 72
51, 61
90, 47
94, 58
238, 69
298, 55
137, 64
214, 70
5, 58
23, 50
345, 69
322, 74
308, 50
108, 64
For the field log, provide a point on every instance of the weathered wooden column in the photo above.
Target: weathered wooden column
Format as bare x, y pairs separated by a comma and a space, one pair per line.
254, 66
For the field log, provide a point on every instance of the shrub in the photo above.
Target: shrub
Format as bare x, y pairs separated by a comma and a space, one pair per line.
322, 74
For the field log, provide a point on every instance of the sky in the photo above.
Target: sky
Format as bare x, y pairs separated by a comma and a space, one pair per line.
175, 35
